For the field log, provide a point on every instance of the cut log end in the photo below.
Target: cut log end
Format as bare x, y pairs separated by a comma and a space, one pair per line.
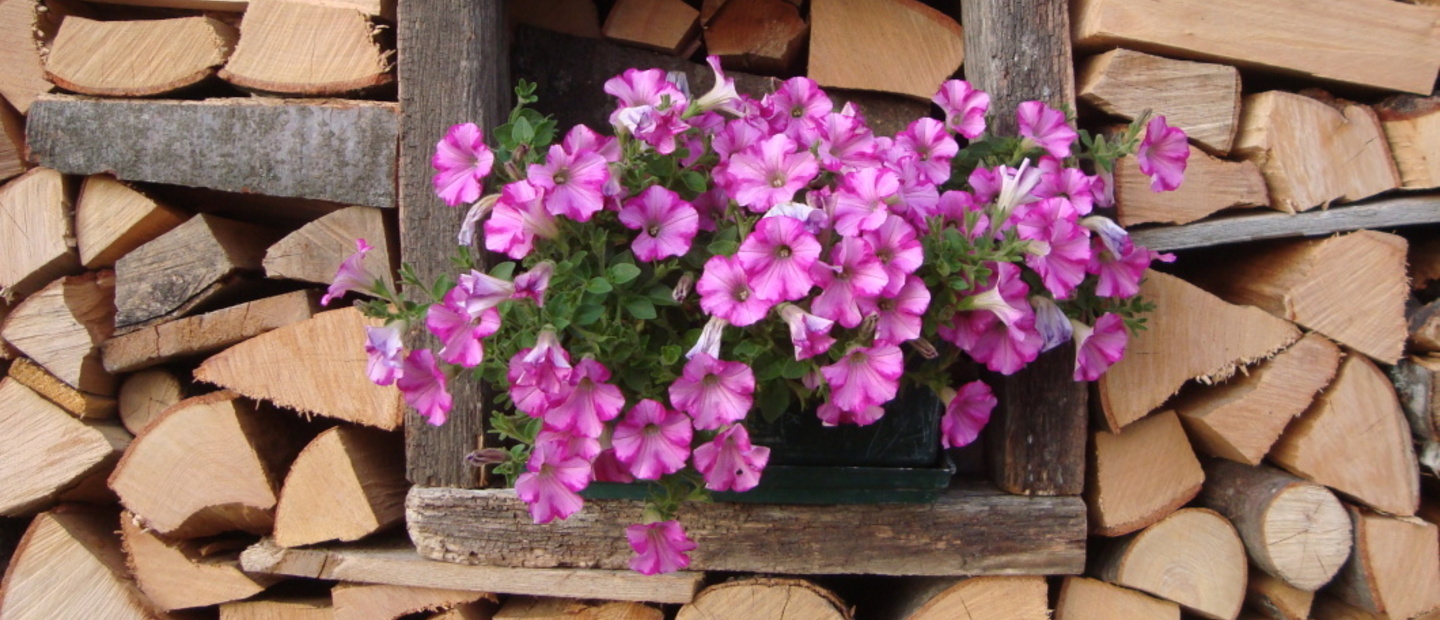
923, 46
1140, 475
1194, 557
347, 484
275, 51
765, 598
137, 58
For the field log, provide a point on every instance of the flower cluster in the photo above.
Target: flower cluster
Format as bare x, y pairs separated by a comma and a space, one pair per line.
721, 256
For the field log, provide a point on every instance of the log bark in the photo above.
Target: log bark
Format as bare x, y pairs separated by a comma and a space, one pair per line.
1210, 185
759, 36
1393, 47
1385, 213
202, 334
137, 58
111, 219
1424, 324
968, 531
924, 47
1201, 98
61, 328
12, 140
666, 26
1417, 380
33, 229
145, 395
1395, 567
1191, 335
384, 602
316, 366
1193, 557
1015, 598
1412, 126
1295, 530
1041, 400
277, 53
314, 252
1354, 439
347, 484
82, 405
1275, 599
1281, 132
262, 146
177, 574
52, 452
311, 608
1242, 417
1140, 475
1086, 599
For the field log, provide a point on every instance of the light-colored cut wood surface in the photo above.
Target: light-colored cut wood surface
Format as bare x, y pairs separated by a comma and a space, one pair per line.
1395, 569
386, 602
757, 36
1192, 334
111, 219
34, 223
175, 574
206, 333
48, 451
1354, 439
61, 328
145, 395
296, 47
923, 47
1140, 475
666, 26
1412, 126
762, 597
315, 608
1313, 153
1210, 185
316, 366
12, 140
1240, 418
1201, 98
485, 610
1014, 598
547, 608
347, 484
1377, 43
1193, 557
79, 404
314, 252
1082, 598
137, 58
23, 29
380, 8
1278, 600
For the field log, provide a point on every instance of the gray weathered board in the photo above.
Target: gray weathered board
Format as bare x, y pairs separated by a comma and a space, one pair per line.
1378, 214
342, 152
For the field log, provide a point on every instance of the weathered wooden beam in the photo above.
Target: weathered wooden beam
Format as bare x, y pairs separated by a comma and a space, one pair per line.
341, 151
435, 37
971, 530
393, 561
1378, 214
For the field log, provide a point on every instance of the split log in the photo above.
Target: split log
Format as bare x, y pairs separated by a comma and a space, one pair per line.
1393, 47
1201, 98
12, 140
207, 333
111, 219
1013, 598
197, 264
295, 47
577, 18
1192, 557
145, 395
315, 366
259, 145
61, 328
314, 252
1088, 599
1210, 185
1354, 439
380, 8
26, 26
1140, 475
760, 36
1377, 214
382, 602
547, 608
49, 453
347, 484
69, 565
1192, 334
1424, 325
312, 608
33, 230
1242, 417
923, 47
1351, 288
666, 26
1277, 600
137, 58
1417, 380
485, 610
761, 597
1395, 569
82, 405
1412, 126
210, 464
1293, 529
177, 574
1312, 153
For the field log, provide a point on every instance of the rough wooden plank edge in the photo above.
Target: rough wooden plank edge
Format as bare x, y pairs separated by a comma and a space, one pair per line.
269, 146
1376, 214
971, 530
393, 561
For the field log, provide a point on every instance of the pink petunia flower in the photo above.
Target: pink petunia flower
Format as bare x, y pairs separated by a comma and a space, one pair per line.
899, 251
637, 89
652, 440
609, 469
932, 146
777, 256
573, 182
422, 384
738, 135
1050, 321
710, 338
713, 392
1000, 347
533, 284
1162, 155
552, 483
1017, 187
569, 444
540, 376
809, 334
384, 353
462, 162
476, 292
1072, 184
1119, 276
966, 415
581, 138
796, 109
845, 142
1059, 250
722, 97
1046, 128
460, 331
478, 211
729, 462
590, 403
831, 415
964, 107
352, 275
855, 272
860, 203
518, 219
767, 173
901, 316
659, 547
865, 377
1099, 347
725, 292
666, 223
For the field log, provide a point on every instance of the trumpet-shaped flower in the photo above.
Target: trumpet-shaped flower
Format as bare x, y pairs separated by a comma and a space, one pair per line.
639, 89
422, 385
1046, 128
855, 272
845, 142
540, 376
1119, 275
569, 444
533, 284
1072, 184
573, 182
709, 340
518, 219
809, 334
590, 402
1004, 297
659, 547
1059, 250
1162, 155
1098, 347
1050, 321
652, 440
865, 377
476, 292
713, 392
898, 250
831, 415
729, 462
384, 353
461, 332
478, 212
581, 139
462, 161
964, 106
932, 146
1001, 348
552, 482
967, 414
666, 223
725, 292
352, 275
722, 96
860, 203
796, 109
777, 256
1016, 187
768, 173
900, 316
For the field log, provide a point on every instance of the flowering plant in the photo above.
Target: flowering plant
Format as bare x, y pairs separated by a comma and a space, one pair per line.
723, 257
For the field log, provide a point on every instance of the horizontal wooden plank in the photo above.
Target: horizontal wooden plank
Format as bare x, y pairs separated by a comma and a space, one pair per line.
1378, 214
970, 530
393, 561
340, 151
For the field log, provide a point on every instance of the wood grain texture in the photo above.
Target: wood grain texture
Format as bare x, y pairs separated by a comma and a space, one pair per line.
178, 574
1210, 185
353, 601
1373, 43
666, 26
1140, 475
313, 253
296, 47
923, 47
34, 223
145, 395
206, 333
12, 141
112, 218
1379, 214
1201, 98
968, 531
763, 597
52, 451
1082, 598
550, 608
1013, 597
263, 146
61, 327
764, 36
1412, 126
380, 8
434, 35
82, 405
394, 561
1277, 599
1018, 51
137, 58
348, 483
1042, 400
1395, 569
24, 29
1193, 557
286, 608
1417, 383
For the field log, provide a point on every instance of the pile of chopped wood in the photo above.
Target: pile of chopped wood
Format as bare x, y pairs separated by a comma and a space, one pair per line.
186, 432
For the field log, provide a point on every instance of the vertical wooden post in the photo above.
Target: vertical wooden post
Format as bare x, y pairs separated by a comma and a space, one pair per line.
1019, 50
453, 68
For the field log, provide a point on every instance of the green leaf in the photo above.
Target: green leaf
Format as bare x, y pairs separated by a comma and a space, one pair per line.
640, 308
599, 286
504, 271
722, 247
669, 354
695, 181
523, 132
587, 314
663, 167
747, 349
774, 399
794, 369
623, 272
